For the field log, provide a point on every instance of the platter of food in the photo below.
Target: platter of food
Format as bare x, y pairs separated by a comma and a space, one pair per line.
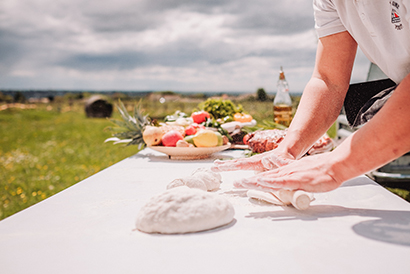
189, 153
204, 132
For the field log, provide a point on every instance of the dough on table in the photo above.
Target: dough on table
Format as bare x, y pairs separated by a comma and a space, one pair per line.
202, 178
183, 210
190, 181
211, 179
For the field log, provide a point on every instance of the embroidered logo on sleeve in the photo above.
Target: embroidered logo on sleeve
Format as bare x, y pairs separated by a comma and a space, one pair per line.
395, 17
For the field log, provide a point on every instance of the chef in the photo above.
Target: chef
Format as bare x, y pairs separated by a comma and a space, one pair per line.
381, 28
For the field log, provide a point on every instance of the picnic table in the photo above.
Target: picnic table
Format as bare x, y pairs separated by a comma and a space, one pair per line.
90, 228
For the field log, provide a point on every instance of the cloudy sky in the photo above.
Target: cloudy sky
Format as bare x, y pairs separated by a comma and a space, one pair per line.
178, 45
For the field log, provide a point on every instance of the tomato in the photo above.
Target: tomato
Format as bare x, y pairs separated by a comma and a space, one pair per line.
193, 129
246, 139
243, 118
190, 130
200, 116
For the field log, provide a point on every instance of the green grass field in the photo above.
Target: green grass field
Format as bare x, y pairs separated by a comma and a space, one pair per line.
43, 151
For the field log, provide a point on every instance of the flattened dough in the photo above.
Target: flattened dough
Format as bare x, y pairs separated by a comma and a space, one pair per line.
202, 178
211, 179
183, 210
190, 181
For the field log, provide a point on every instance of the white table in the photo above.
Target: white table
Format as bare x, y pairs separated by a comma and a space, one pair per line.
90, 228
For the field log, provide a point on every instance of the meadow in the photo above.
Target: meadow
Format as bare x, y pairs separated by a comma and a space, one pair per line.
52, 146
46, 148
44, 151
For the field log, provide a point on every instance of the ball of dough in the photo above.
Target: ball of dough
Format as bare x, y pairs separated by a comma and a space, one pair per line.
184, 210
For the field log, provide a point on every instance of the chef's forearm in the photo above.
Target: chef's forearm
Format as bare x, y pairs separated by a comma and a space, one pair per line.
323, 96
384, 138
317, 111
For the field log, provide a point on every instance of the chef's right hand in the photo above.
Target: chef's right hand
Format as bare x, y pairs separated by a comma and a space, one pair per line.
260, 162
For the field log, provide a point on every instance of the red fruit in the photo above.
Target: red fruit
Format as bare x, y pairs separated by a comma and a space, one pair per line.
190, 130
198, 126
171, 138
246, 139
200, 116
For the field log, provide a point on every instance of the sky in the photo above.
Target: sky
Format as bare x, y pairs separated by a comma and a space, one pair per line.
158, 45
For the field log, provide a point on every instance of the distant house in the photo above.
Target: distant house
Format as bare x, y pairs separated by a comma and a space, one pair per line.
98, 107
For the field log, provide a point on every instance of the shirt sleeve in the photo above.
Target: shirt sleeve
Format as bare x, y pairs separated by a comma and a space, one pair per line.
327, 20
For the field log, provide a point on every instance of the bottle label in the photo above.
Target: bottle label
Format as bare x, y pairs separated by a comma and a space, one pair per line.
282, 114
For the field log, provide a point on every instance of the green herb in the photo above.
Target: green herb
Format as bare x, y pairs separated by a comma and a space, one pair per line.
220, 109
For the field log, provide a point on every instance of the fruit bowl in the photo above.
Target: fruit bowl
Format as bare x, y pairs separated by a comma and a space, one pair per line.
189, 153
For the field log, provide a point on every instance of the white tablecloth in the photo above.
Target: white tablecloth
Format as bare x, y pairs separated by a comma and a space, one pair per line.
90, 228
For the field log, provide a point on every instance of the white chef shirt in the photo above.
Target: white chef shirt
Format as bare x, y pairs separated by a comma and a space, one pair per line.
380, 27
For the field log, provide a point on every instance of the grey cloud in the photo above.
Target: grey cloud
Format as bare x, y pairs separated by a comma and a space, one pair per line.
178, 54
9, 46
14, 49
122, 22
262, 16
259, 16
267, 23
45, 46
35, 49
292, 58
203, 6
182, 54
146, 14
133, 18
268, 17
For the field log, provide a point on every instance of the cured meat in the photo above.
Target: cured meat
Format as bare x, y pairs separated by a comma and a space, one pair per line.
266, 140
324, 144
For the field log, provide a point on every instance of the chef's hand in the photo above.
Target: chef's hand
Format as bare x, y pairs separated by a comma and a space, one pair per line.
260, 162
311, 174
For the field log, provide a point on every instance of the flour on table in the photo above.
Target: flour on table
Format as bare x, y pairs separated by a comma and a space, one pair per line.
183, 210
202, 178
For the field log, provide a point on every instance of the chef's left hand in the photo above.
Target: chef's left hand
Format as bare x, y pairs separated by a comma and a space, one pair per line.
311, 174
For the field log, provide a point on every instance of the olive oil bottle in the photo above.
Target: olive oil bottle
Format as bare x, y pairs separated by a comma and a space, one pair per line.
282, 104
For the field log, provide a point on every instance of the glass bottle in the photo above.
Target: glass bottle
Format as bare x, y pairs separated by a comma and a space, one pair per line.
282, 104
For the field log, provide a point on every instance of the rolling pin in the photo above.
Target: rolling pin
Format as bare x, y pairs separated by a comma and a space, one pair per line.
298, 199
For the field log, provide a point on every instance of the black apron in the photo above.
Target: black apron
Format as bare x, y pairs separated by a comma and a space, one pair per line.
364, 100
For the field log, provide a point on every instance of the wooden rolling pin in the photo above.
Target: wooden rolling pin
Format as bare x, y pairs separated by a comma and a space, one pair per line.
299, 199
